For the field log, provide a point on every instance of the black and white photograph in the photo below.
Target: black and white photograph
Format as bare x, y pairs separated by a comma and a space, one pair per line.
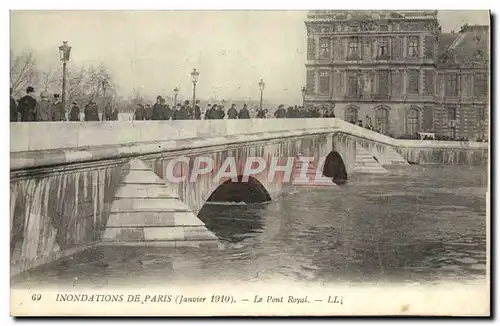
249, 162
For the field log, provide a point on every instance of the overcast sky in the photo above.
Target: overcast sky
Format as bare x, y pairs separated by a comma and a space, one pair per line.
156, 50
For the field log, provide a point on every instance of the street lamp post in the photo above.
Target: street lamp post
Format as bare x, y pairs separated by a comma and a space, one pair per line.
176, 92
104, 85
303, 96
261, 87
194, 79
64, 52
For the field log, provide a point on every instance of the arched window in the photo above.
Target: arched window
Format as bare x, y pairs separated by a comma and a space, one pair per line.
351, 114
382, 120
412, 121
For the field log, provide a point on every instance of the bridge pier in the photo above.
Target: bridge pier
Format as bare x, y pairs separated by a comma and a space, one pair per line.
146, 212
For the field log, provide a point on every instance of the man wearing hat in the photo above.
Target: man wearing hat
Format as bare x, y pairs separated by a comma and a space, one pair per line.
232, 113
74, 112
197, 110
280, 113
220, 114
261, 114
44, 108
91, 111
27, 106
58, 112
158, 109
244, 113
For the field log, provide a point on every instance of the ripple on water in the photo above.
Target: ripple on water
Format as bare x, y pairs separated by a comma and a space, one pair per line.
466, 260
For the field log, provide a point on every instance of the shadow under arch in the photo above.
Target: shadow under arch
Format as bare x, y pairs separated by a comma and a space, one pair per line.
224, 215
250, 192
335, 168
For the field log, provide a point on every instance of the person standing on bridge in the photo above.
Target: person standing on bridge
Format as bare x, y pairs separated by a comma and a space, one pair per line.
157, 113
44, 108
210, 112
197, 110
188, 111
91, 111
114, 114
139, 112
107, 112
27, 106
244, 113
148, 112
220, 112
261, 114
181, 113
280, 113
74, 112
13, 108
58, 112
232, 113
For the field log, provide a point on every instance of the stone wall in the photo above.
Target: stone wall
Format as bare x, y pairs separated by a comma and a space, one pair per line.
55, 213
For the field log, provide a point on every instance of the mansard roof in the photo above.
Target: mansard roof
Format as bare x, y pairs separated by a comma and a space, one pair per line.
470, 48
344, 15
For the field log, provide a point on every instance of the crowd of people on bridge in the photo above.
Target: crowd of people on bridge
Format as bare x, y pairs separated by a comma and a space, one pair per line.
28, 109
162, 111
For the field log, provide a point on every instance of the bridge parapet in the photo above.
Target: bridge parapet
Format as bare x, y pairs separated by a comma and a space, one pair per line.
36, 136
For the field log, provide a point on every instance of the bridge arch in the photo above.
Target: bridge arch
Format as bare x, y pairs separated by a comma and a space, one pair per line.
335, 168
250, 192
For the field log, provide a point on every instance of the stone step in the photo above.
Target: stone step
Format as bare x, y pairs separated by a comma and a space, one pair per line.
172, 233
365, 163
145, 191
148, 204
148, 219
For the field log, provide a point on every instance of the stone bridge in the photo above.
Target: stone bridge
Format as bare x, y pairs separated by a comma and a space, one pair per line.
76, 185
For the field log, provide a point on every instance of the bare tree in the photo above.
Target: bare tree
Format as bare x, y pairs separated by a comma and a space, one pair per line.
22, 72
50, 78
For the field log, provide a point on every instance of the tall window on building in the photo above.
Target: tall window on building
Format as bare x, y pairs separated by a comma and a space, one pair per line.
413, 81
481, 122
324, 82
311, 48
353, 48
382, 120
451, 85
383, 49
412, 121
452, 114
353, 85
351, 114
325, 48
412, 47
428, 82
480, 85
383, 84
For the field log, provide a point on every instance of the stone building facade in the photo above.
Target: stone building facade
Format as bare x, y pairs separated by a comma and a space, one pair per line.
387, 68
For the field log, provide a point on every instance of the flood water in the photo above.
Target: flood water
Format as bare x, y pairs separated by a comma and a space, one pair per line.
416, 224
